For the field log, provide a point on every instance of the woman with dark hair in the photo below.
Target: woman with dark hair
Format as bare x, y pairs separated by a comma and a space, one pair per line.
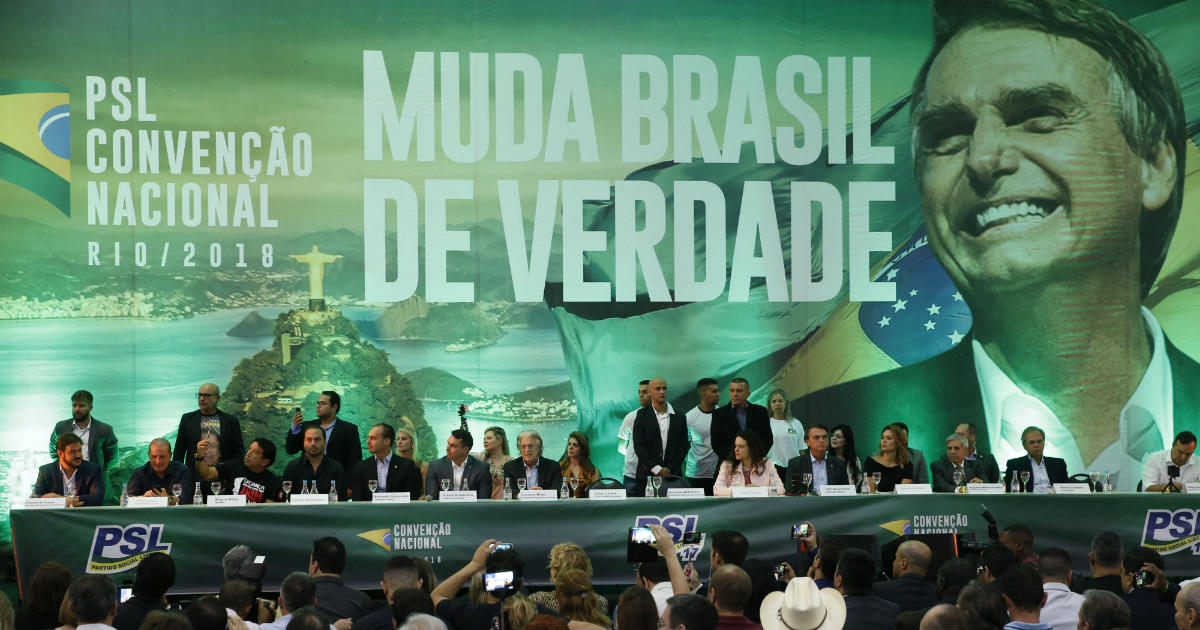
984, 604
891, 464
46, 591
577, 463
841, 443
495, 455
636, 610
748, 466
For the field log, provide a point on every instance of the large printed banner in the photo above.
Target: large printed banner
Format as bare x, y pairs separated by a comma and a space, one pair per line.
112, 541
530, 207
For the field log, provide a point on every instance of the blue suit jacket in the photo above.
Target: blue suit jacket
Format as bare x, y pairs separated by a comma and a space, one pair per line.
89, 482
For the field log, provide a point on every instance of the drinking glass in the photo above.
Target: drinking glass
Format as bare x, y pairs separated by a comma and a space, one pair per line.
572, 483
70, 492
445, 485
657, 481
287, 490
958, 478
217, 486
1025, 475
372, 485
807, 481
1095, 477
520, 484
875, 479
176, 490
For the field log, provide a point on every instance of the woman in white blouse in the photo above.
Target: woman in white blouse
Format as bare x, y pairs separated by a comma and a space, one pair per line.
750, 467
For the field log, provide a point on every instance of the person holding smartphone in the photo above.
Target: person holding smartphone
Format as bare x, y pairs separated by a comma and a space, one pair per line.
495, 560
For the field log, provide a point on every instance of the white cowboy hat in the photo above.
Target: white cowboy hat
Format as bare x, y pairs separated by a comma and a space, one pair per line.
803, 606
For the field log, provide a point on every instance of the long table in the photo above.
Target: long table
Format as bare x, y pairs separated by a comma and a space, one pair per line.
113, 539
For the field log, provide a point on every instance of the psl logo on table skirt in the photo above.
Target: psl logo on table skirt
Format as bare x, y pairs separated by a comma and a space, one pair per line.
676, 525
1168, 531
117, 548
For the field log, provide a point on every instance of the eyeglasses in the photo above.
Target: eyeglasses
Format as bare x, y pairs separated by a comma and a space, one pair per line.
204, 395
321, 403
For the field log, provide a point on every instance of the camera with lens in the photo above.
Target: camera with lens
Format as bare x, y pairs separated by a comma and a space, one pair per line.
967, 543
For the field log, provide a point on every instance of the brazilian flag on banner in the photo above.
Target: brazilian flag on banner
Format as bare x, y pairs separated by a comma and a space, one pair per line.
35, 139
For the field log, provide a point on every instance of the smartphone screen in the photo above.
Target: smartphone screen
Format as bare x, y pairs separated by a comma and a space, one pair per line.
690, 538
503, 546
641, 535
126, 593
498, 581
799, 530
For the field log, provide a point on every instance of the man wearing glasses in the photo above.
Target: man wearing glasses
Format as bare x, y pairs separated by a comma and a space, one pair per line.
208, 418
342, 443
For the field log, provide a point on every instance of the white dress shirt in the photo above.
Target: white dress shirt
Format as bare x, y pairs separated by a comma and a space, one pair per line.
458, 470
85, 434
1154, 472
381, 470
664, 427
1146, 423
1062, 606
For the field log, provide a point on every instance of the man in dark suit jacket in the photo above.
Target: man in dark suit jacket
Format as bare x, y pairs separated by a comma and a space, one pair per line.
1034, 440
908, 588
655, 459
549, 474
853, 578
817, 439
988, 469
193, 423
725, 422
475, 475
400, 473
88, 478
343, 444
943, 469
101, 441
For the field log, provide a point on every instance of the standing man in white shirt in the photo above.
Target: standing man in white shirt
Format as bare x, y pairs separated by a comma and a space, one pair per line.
701, 465
1179, 459
1062, 605
625, 439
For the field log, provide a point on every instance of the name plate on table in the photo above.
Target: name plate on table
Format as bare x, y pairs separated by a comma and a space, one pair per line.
391, 497
743, 492
914, 488
616, 494
985, 488
1191, 487
838, 490
46, 504
538, 495
309, 499
458, 496
149, 501
685, 493
228, 500
1072, 488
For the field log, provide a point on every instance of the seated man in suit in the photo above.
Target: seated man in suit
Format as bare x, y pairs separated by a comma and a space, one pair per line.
954, 460
817, 461
659, 437
988, 469
159, 476
458, 469
341, 437
538, 472
81, 482
1046, 471
391, 472
908, 587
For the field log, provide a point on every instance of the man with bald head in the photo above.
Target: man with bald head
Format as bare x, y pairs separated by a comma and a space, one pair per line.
157, 476
208, 418
659, 437
908, 587
1187, 608
729, 590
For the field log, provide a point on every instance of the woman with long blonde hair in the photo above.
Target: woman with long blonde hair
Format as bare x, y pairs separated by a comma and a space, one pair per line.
576, 599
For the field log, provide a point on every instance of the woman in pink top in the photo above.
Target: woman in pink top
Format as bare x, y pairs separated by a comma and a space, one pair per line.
749, 467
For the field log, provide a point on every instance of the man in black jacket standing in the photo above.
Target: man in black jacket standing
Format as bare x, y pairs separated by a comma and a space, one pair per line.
739, 414
342, 443
659, 437
193, 425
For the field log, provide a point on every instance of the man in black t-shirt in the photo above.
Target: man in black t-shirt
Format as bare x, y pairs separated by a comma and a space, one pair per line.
248, 476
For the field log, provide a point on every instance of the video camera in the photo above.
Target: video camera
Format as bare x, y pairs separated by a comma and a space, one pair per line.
968, 543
